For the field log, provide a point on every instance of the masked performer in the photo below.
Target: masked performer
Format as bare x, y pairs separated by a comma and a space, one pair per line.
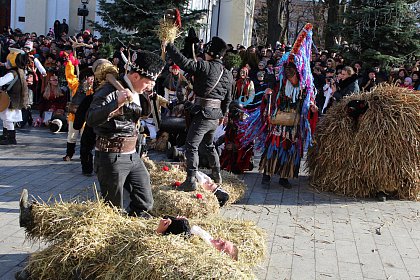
213, 89
281, 127
15, 96
114, 118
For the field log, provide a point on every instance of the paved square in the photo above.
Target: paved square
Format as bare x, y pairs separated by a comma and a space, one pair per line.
310, 235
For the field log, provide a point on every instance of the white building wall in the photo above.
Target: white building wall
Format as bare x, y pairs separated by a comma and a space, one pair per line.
17, 9
56, 9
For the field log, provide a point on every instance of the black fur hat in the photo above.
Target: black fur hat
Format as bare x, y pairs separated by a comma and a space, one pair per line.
216, 47
178, 226
147, 64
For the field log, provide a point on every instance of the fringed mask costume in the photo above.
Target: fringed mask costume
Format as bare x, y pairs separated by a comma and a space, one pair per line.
281, 128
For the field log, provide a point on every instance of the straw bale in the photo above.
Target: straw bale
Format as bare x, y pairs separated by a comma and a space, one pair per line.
159, 177
93, 241
234, 186
169, 201
379, 153
176, 173
172, 202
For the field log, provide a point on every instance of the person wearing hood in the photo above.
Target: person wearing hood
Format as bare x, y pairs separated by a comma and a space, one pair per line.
348, 84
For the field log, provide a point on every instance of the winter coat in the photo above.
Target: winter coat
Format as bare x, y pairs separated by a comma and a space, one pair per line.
206, 74
105, 101
347, 87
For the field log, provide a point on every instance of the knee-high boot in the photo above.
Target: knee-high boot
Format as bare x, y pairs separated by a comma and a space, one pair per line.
2, 137
71, 147
10, 138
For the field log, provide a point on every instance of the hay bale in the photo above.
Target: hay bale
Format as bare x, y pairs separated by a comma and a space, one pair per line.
249, 238
169, 201
379, 153
234, 186
150, 164
166, 174
231, 182
118, 247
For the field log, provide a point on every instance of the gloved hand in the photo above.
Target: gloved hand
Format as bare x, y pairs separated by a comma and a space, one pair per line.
132, 111
172, 105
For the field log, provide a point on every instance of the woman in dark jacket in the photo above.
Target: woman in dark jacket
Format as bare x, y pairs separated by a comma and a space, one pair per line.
347, 85
57, 29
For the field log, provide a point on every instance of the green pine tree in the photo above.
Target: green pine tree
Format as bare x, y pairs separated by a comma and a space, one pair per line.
382, 31
136, 21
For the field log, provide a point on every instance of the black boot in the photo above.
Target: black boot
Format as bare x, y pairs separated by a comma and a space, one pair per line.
10, 138
71, 147
285, 183
189, 185
265, 182
215, 175
221, 195
2, 137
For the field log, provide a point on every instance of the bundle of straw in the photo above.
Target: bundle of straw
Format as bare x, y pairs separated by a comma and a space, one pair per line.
234, 186
379, 152
168, 200
93, 241
196, 204
167, 31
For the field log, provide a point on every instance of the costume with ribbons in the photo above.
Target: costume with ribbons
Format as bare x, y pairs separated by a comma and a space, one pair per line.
283, 144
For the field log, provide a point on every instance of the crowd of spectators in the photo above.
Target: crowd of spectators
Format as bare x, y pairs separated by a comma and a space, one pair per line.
334, 77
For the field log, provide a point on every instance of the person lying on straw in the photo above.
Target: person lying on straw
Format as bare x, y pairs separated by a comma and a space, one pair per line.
180, 225
209, 185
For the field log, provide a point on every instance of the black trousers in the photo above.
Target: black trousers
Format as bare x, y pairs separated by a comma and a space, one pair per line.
118, 171
87, 143
201, 130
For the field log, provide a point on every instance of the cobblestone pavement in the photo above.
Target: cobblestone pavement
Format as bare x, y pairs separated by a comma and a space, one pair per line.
310, 235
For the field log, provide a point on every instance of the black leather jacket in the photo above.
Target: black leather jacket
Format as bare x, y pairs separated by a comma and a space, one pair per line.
105, 101
206, 74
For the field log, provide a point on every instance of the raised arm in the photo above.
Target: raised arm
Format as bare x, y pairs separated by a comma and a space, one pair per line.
186, 64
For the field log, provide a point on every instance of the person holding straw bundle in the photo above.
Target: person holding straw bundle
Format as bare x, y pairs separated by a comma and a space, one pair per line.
213, 90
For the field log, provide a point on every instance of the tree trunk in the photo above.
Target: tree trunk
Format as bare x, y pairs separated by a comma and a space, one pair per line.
277, 21
332, 21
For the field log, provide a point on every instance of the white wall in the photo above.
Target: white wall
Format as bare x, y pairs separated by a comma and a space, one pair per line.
56, 9
17, 10
39, 14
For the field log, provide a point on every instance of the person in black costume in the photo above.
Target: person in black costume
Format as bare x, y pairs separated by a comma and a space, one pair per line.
213, 90
114, 115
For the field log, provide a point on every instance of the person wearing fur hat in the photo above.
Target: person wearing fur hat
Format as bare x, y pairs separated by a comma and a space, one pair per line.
114, 114
213, 94
14, 83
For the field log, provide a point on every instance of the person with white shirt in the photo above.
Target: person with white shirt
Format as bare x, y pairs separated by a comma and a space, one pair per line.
14, 83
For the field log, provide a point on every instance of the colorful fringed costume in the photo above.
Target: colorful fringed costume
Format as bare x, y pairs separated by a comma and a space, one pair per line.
283, 145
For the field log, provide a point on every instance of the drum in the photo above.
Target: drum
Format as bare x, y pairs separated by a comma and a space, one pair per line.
173, 124
4, 100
